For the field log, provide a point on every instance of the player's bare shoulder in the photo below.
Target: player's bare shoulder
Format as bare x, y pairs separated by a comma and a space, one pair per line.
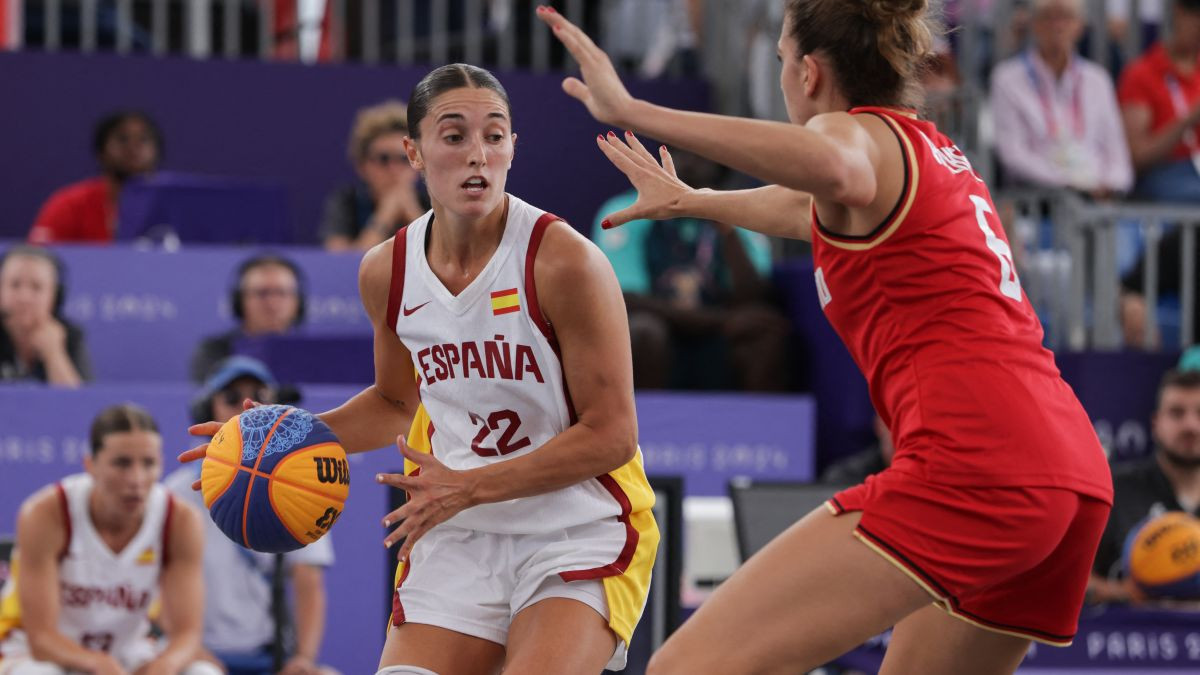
566, 257
186, 526
42, 519
43, 507
375, 277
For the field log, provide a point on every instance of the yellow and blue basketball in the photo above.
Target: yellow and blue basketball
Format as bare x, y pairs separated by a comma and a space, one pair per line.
1162, 556
275, 478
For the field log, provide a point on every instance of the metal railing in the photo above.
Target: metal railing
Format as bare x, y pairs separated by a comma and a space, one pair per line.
1075, 284
503, 33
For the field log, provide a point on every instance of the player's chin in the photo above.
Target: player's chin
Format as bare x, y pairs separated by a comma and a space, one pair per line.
472, 204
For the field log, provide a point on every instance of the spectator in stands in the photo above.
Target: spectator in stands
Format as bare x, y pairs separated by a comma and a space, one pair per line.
1170, 283
1056, 112
36, 342
646, 36
1167, 481
386, 198
1121, 20
697, 296
126, 144
1160, 102
267, 299
855, 468
242, 610
761, 22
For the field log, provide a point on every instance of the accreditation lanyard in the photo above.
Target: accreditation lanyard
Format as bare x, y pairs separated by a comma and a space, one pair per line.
1179, 102
1046, 96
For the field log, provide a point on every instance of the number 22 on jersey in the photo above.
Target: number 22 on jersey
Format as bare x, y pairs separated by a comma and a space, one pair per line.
1010, 285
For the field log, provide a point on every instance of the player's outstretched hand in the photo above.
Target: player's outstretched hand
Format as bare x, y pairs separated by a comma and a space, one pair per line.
601, 90
658, 188
435, 495
207, 430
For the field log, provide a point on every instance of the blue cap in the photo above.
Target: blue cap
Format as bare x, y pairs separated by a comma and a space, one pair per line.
1190, 359
235, 368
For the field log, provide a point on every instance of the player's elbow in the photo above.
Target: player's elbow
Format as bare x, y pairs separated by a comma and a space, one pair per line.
621, 442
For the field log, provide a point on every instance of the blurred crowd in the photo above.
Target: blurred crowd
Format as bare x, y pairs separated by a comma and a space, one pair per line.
704, 311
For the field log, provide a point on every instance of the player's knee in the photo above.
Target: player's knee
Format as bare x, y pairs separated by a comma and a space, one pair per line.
405, 670
202, 668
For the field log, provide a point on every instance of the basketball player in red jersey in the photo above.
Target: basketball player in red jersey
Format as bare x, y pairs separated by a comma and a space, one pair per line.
996, 499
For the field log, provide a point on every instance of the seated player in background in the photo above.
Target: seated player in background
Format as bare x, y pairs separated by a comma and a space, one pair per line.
36, 341
93, 554
268, 298
386, 197
1168, 480
126, 144
241, 613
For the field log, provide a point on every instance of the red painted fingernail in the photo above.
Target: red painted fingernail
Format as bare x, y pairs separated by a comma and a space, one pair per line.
551, 9
629, 133
611, 135
606, 224
600, 137
662, 148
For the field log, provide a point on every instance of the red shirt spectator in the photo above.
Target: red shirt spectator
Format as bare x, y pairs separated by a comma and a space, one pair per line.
80, 212
1153, 82
125, 144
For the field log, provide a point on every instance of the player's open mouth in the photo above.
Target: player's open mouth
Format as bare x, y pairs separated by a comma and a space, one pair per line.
475, 184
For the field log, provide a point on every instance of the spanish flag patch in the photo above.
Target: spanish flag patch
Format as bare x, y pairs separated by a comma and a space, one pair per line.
147, 557
505, 302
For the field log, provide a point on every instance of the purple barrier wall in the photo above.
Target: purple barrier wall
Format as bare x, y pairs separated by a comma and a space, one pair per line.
1120, 391
706, 439
709, 439
1110, 640
270, 120
144, 312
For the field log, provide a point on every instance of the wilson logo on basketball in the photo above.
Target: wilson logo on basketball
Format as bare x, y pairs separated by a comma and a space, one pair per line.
331, 470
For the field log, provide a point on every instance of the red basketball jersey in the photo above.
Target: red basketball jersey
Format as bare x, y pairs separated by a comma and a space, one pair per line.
931, 309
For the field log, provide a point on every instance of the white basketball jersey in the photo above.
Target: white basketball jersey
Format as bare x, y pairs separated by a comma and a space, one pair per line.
105, 596
490, 375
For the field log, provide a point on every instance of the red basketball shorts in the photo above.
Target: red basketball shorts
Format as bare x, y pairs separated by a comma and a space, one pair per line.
1013, 560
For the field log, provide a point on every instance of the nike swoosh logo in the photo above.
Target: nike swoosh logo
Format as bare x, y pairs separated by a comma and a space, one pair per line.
410, 312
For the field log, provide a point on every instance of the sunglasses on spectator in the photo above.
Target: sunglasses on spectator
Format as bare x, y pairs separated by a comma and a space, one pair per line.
264, 293
389, 158
234, 397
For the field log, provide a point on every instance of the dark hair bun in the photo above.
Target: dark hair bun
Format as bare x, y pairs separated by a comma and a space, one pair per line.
887, 11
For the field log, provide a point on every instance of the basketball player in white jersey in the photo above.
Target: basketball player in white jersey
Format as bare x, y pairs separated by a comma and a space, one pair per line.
528, 535
94, 552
